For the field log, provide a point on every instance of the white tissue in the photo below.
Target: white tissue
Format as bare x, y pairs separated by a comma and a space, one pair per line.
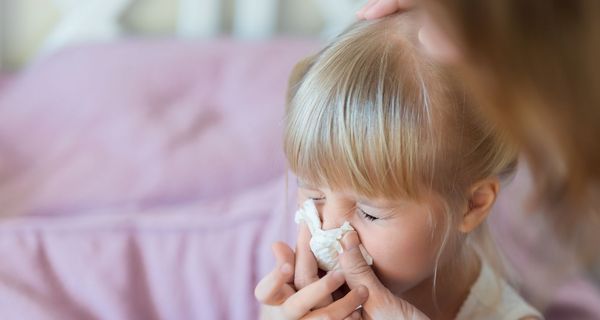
325, 244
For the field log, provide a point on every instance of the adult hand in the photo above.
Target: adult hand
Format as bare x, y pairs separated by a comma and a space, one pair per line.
293, 289
380, 8
382, 304
435, 40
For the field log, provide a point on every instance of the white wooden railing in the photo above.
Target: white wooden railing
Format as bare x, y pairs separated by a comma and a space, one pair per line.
92, 20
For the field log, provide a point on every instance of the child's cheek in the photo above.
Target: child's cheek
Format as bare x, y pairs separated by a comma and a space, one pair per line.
401, 260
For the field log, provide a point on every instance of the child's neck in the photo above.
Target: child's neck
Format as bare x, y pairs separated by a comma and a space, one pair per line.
452, 289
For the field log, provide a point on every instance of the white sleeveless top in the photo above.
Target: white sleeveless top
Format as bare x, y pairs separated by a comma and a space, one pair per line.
491, 298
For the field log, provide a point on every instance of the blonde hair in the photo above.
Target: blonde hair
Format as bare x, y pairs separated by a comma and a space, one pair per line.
370, 113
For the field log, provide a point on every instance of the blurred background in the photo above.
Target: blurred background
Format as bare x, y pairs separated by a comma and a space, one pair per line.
32, 28
141, 166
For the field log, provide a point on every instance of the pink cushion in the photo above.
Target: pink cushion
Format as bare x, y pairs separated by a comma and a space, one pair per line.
145, 123
143, 180
195, 261
4, 79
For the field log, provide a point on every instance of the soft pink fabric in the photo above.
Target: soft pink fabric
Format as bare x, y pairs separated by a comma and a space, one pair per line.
4, 79
200, 260
143, 122
144, 180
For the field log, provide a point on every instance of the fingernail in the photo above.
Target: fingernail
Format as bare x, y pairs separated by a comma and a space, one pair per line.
369, 12
362, 292
285, 268
350, 241
361, 13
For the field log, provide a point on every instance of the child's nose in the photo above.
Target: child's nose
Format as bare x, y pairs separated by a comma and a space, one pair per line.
331, 216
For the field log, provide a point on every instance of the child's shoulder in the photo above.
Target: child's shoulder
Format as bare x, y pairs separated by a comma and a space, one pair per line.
491, 297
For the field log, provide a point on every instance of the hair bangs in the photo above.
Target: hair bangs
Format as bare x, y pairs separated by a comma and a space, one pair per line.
369, 139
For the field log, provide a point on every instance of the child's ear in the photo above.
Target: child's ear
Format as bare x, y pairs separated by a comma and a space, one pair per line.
482, 196
297, 75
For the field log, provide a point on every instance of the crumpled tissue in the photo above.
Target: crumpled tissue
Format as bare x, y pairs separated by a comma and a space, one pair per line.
325, 244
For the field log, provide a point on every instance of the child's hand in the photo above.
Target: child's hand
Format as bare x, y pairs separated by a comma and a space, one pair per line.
382, 303
293, 289
380, 8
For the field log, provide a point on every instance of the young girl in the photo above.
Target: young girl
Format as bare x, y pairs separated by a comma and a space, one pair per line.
382, 138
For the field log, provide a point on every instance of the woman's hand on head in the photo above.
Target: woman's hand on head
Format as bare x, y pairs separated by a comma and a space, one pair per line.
434, 39
381, 304
380, 8
293, 289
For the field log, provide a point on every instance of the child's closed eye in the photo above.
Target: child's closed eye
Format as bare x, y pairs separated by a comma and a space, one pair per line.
309, 193
366, 215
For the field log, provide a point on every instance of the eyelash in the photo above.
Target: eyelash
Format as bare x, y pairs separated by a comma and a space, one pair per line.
360, 211
366, 215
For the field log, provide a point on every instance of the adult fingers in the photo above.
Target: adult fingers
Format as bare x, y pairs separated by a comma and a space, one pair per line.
273, 289
437, 42
312, 295
380, 8
344, 308
284, 254
358, 273
356, 270
360, 13
306, 269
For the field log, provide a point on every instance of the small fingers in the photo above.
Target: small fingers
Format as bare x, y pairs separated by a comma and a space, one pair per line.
284, 254
306, 269
312, 296
273, 288
344, 308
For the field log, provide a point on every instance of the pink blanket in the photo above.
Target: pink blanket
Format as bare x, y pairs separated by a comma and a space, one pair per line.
145, 180
144, 123
191, 261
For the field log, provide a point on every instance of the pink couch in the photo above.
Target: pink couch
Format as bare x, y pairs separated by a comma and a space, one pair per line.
145, 180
